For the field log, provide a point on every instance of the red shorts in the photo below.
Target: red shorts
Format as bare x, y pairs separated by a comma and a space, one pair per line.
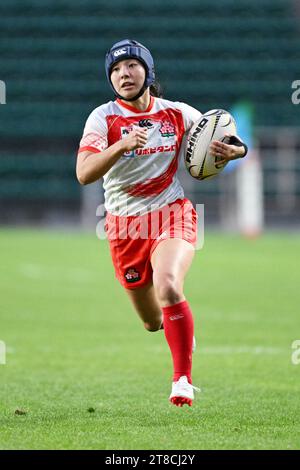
133, 239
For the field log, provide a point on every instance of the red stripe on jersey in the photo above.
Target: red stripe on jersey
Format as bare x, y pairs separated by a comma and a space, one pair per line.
155, 186
135, 110
90, 149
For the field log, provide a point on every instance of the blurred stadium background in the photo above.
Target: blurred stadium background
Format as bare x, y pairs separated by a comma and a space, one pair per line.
210, 55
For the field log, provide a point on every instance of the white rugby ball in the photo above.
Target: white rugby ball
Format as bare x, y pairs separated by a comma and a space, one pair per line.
212, 125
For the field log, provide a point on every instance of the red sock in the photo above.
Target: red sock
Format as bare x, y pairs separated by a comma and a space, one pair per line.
179, 331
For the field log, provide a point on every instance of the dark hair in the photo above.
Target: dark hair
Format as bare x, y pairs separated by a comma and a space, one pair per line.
156, 89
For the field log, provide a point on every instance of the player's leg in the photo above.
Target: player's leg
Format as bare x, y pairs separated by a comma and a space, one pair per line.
130, 256
171, 261
146, 305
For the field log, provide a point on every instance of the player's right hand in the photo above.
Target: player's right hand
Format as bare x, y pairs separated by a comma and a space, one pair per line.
137, 138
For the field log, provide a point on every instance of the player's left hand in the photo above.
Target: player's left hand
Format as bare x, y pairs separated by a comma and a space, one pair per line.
226, 152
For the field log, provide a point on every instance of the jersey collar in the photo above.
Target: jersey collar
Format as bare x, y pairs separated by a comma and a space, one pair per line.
133, 109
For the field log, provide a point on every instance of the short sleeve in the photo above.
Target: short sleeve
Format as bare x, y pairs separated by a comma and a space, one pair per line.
190, 114
94, 136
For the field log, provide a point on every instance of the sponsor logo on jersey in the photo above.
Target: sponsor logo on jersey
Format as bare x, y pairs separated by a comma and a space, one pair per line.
132, 275
165, 126
119, 52
146, 123
159, 149
167, 129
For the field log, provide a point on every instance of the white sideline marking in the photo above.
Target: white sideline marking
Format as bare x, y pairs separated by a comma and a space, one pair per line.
241, 350
2, 352
232, 350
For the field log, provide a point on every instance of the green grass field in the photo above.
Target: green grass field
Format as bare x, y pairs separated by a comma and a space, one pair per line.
74, 343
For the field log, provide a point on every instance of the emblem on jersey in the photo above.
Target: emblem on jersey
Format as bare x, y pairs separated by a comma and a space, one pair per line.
132, 275
167, 129
125, 130
124, 133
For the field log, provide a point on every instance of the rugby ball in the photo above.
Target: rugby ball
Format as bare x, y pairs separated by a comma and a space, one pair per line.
212, 125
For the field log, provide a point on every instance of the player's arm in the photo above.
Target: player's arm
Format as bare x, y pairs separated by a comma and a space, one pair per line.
190, 115
93, 165
233, 149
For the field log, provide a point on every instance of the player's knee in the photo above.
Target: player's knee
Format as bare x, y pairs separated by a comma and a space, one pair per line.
168, 290
152, 327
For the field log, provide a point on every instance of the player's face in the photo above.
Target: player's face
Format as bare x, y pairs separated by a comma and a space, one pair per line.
128, 77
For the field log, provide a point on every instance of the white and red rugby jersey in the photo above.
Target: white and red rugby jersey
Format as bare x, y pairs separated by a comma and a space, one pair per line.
145, 179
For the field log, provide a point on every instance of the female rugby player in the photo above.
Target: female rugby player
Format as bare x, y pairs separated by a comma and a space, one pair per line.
134, 143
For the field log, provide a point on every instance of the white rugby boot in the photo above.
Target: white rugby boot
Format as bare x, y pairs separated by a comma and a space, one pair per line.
182, 392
